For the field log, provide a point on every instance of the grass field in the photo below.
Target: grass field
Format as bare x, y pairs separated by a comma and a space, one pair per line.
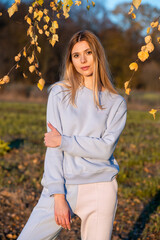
138, 154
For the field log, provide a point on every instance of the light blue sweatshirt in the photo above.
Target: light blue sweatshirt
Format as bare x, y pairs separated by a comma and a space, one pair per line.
89, 138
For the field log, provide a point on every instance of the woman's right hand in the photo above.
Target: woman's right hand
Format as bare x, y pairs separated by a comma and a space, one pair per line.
62, 211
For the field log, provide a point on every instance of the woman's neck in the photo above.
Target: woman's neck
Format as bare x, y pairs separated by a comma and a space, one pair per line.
88, 83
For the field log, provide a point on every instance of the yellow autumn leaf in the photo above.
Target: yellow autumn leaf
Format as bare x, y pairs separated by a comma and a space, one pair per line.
148, 30
45, 26
66, 10
1, 81
154, 24
133, 66
18, 1
40, 2
153, 112
46, 19
158, 39
31, 59
52, 30
78, 3
30, 31
38, 18
41, 81
47, 33
52, 42
26, 16
55, 24
30, 9
40, 13
17, 66
58, 15
37, 26
93, 4
40, 31
143, 55
32, 68
68, 2
38, 49
24, 75
52, 4
127, 91
133, 15
39, 74
35, 14
34, 39
11, 236
29, 21
148, 39
6, 79
150, 47
159, 27
136, 3
45, 11
16, 58
40, 84
12, 9
126, 84
36, 65
65, 13
131, 9
54, 8
144, 48
55, 37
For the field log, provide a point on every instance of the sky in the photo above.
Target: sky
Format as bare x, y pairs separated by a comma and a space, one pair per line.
110, 4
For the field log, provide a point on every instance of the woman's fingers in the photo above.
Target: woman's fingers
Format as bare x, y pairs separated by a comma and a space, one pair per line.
68, 225
57, 220
62, 212
63, 221
53, 129
50, 126
66, 222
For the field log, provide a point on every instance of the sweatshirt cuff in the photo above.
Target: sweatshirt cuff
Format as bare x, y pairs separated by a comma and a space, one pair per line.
56, 188
64, 142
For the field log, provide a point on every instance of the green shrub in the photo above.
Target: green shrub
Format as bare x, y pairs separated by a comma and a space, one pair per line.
4, 148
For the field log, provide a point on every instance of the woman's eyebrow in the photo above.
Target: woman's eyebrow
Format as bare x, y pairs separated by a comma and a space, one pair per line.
79, 52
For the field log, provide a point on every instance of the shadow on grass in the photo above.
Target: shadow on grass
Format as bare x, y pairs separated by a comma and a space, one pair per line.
16, 143
143, 218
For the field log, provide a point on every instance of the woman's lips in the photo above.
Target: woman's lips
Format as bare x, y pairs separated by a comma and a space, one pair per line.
85, 68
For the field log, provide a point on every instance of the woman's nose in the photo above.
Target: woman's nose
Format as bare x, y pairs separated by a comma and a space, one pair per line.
83, 58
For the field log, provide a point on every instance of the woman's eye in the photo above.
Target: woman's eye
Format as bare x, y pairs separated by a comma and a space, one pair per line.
76, 55
89, 52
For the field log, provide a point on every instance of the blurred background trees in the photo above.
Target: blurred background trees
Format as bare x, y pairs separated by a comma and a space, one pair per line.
121, 41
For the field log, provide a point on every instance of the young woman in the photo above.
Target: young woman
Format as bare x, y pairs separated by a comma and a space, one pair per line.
85, 117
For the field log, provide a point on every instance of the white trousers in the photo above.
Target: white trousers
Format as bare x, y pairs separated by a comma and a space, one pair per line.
94, 203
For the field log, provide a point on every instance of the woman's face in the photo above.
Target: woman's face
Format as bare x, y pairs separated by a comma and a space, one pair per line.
82, 58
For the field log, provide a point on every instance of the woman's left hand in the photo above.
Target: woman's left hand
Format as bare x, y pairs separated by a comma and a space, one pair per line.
53, 138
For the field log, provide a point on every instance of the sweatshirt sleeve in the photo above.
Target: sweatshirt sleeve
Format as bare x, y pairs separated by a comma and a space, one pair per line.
53, 169
98, 148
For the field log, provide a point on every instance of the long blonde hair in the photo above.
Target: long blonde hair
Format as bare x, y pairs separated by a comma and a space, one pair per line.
72, 80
